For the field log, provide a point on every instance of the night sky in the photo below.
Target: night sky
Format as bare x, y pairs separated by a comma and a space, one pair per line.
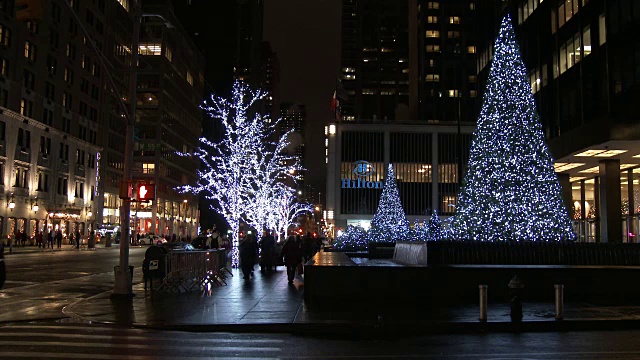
306, 36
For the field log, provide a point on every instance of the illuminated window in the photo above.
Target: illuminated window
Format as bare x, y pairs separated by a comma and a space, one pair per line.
148, 168
150, 49
471, 49
432, 19
189, 78
168, 54
454, 20
29, 51
432, 33
432, 77
433, 48
453, 34
433, 5
454, 93
473, 78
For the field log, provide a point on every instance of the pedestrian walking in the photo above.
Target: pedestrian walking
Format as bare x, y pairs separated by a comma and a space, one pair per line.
50, 238
291, 254
248, 255
59, 238
77, 238
267, 250
39, 239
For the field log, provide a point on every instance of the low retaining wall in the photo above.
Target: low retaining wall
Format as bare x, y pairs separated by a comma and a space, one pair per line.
334, 281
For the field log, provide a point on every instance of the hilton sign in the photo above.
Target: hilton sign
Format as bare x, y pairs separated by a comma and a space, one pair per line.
361, 169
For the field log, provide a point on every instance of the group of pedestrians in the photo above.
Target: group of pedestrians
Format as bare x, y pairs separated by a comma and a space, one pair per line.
294, 251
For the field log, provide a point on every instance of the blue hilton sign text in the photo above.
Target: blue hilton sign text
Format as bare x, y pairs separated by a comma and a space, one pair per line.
361, 169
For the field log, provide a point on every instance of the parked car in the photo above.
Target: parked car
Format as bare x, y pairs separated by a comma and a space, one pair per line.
149, 239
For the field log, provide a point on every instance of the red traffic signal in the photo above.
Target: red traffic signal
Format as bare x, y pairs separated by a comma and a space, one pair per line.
146, 192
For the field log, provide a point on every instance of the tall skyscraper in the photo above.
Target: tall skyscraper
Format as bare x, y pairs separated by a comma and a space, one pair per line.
271, 82
375, 60
249, 17
168, 120
409, 60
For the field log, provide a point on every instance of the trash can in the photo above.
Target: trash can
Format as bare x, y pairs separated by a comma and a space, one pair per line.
116, 268
154, 265
92, 240
108, 243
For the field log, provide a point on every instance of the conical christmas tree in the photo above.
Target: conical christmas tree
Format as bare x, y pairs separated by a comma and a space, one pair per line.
434, 228
510, 190
389, 222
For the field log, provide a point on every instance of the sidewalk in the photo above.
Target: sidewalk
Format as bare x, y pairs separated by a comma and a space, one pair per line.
32, 249
267, 303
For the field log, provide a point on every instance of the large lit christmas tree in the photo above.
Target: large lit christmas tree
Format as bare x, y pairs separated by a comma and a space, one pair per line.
389, 222
510, 190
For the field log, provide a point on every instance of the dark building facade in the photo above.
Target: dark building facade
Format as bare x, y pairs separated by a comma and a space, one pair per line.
585, 79
168, 120
375, 60
409, 60
250, 19
53, 77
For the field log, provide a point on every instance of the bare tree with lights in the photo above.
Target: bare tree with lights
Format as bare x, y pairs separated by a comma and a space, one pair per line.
243, 169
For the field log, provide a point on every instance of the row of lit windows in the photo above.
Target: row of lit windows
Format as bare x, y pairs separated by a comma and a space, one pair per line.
434, 34
452, 20
435, 5
564, 11
572, 51
436, 49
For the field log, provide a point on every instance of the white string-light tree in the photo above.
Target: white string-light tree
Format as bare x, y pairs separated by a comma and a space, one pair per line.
239, 168
286, 210
510, 191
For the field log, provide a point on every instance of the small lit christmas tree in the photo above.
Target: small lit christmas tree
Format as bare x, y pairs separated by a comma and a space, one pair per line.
434, 228
389, 222
510, 190
353, 238
419, 231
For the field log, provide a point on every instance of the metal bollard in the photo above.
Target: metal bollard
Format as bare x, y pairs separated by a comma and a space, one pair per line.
559, 300
483, 302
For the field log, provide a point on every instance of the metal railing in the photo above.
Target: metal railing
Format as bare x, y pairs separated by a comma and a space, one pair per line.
191, 270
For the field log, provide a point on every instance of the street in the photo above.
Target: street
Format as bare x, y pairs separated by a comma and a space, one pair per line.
40, 285
81, 341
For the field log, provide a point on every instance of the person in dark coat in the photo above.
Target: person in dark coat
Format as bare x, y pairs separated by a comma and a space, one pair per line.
291, 254
77, 239
59, 238
267, 250
3, 274
248, 251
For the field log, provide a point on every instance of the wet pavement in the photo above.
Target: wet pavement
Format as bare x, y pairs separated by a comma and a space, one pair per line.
269, 300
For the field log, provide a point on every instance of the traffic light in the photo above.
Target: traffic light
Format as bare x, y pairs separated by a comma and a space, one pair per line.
29, 9
146, 192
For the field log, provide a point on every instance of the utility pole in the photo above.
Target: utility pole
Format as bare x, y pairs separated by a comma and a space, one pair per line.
122, 285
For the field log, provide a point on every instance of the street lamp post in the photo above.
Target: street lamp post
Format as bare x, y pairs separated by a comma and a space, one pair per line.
122, 285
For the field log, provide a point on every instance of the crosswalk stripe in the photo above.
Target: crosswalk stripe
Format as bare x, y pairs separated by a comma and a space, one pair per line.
40, 355
151, 338
134, 346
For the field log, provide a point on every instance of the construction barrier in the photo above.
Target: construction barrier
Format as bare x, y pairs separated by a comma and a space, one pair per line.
190, 270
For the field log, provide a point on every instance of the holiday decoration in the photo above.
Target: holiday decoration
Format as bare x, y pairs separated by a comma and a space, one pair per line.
244, 172
418, 231
353, 238
434, 228
510, 190
285, 211
389, 222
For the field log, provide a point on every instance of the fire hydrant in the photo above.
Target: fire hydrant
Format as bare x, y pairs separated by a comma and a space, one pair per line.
515, 293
